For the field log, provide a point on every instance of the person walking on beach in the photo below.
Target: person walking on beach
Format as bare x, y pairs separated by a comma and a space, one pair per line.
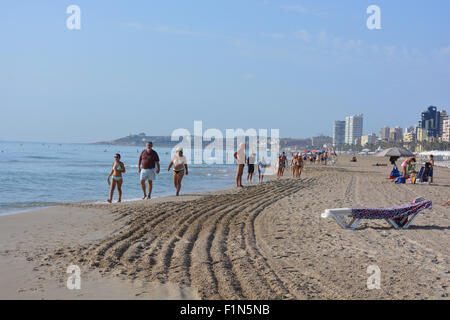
251, 166
149, 160
261, 169
281, 165
239, 155
116, 173
298, 166
284, 162
294, 164
180, 168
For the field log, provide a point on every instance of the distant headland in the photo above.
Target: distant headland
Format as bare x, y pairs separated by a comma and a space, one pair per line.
166, 141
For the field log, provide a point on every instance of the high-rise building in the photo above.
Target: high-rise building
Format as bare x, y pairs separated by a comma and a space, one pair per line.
444, 116
421, 134
446, 130
409, 135
368, 139
431, 122
353, 129
396, 134
384, 133
338, 133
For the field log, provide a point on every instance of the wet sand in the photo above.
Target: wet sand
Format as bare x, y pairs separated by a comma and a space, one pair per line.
266, 241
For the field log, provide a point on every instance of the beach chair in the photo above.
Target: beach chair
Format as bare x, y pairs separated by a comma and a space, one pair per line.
423, 175
399, 217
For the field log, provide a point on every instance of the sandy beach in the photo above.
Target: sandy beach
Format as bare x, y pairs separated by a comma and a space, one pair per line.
267, 241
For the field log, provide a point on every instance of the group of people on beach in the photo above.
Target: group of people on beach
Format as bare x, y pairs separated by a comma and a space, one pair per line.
282, 163
298, 160
408, 167
148, 168
242, 160
297, 165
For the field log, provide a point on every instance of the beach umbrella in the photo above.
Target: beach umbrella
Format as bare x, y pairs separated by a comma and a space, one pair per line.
395, 152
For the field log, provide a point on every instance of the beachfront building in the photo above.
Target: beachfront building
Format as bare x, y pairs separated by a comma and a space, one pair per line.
396, 134
338, 133
444, 116
368, 139
409, 135
446, 130
384, 133
431, 122
353, 129
421, 134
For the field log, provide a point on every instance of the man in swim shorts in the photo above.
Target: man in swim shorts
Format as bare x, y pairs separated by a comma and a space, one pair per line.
149, 160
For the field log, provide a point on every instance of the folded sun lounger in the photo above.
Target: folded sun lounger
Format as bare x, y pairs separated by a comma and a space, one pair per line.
391, 215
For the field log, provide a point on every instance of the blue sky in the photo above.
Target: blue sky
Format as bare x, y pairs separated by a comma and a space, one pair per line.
154, 66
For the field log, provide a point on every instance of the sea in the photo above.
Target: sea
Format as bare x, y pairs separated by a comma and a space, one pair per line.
35, 175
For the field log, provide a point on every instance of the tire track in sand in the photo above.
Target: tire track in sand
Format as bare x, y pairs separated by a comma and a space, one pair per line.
208, 243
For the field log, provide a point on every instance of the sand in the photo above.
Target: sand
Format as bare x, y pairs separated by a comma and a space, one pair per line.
266, 241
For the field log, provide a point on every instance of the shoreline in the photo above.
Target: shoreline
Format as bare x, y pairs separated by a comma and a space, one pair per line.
13, 210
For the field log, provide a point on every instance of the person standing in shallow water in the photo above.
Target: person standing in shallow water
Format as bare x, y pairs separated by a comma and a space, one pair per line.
239, 155
149, 160
116, 173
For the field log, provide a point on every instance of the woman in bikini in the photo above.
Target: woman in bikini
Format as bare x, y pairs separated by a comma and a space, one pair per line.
281, 165
299, 166
294, 164
180, 168
116, 173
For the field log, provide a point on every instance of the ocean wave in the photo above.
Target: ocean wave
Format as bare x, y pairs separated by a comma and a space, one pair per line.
43, 158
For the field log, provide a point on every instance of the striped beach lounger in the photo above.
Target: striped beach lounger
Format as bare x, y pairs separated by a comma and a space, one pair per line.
399, 217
